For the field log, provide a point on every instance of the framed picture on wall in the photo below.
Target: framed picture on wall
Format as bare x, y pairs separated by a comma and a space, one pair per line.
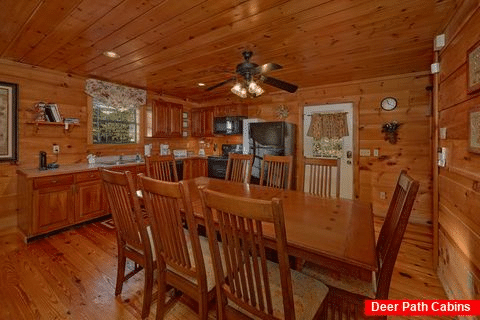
474, 130
8, 121
473, 68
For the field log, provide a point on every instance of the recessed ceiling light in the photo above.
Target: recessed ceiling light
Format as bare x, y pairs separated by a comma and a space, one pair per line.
111, 54
201, 84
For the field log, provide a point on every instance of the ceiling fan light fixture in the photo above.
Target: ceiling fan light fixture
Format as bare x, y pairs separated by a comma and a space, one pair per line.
239, 90
254, 89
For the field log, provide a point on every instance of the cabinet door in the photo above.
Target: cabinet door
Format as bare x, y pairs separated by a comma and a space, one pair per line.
89, 202
176, 119
197, 125
208, 122
160, 119
53, 208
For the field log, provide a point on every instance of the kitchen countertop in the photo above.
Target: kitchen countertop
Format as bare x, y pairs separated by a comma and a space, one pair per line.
80, 167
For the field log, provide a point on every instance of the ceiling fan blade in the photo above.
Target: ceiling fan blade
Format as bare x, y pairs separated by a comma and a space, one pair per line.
221, 83
279, 84
267, 67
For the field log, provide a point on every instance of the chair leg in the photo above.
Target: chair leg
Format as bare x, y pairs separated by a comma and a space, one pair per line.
148, 288
162, 291
122, 260
203, 307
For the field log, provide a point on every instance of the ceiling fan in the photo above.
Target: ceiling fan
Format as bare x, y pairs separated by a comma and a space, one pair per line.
250, 72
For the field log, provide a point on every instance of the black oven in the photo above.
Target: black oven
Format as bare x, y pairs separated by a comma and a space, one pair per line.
217, 165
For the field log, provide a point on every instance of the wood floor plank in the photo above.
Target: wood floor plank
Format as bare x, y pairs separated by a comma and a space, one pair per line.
71, 275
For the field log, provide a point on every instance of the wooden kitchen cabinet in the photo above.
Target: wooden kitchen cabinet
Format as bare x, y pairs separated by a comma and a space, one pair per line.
166, 119
202, 122
53, 203
193, 168
90, 201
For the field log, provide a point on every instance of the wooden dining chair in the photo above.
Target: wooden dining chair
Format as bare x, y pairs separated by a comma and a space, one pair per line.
161, 167
134, 239
247, 283
347, 294
239, 167
320, 175
184, 259
276, 171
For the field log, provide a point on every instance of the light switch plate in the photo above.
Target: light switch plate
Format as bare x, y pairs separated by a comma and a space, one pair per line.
364, 152
443, 133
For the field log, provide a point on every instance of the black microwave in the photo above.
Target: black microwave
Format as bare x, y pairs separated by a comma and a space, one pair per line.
228, 125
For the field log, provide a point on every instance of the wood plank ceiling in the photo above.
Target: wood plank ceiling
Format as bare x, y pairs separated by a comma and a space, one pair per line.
169, 46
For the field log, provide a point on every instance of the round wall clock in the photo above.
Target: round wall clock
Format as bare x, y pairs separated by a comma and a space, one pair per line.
388, 103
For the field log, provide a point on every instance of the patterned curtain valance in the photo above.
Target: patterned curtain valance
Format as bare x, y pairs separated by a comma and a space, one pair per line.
328, 125
115, 95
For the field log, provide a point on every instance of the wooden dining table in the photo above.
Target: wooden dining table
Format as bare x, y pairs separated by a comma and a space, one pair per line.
335, 233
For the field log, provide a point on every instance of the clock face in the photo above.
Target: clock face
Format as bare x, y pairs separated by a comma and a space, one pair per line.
389, 103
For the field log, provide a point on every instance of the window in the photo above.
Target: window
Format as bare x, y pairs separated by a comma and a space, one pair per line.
114, 126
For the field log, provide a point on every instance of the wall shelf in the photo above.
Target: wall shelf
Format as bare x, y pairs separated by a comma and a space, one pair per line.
66, 126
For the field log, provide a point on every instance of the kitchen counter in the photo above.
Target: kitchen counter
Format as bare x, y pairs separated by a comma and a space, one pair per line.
79, 167
72, 168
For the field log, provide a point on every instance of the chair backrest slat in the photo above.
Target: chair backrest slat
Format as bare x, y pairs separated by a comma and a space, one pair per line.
276, 171
320, 175
393, 230
161, 167
125, 209
239, 167
240, 222
162, 203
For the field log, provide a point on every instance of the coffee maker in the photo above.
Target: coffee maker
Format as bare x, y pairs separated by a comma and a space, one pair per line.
42, 164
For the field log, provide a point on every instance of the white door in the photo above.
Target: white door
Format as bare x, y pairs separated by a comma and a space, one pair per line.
346, 169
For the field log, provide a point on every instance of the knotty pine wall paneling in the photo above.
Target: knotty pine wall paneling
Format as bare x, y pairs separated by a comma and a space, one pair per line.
459, 181
36, 84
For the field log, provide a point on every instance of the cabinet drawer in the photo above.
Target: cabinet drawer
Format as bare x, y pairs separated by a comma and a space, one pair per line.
87, 176
53, 181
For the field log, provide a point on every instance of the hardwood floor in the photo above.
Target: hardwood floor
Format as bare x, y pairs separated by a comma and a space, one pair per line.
71, 275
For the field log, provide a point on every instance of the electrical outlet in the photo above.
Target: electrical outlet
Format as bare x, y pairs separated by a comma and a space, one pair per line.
375, 152
383, 195
56, 148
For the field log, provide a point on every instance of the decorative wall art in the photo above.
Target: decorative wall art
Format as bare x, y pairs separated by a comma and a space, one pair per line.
390, 130
8, 121
282, 112
473, 68
474, 130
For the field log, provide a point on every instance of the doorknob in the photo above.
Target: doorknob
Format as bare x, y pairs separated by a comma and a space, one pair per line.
349, 154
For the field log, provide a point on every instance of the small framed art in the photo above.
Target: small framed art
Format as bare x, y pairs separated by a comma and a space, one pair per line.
474, 130
473, 68
8, 121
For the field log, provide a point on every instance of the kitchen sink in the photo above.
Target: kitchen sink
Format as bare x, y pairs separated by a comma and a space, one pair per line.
117, 162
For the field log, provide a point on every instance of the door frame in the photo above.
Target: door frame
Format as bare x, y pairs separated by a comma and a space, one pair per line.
355, 142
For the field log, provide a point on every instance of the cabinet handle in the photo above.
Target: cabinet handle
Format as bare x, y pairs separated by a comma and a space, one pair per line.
54, 181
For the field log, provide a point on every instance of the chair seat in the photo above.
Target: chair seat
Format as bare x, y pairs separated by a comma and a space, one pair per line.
207, 258
344, 282
308, 294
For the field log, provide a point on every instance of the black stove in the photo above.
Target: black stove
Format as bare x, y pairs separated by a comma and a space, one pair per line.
217, 165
